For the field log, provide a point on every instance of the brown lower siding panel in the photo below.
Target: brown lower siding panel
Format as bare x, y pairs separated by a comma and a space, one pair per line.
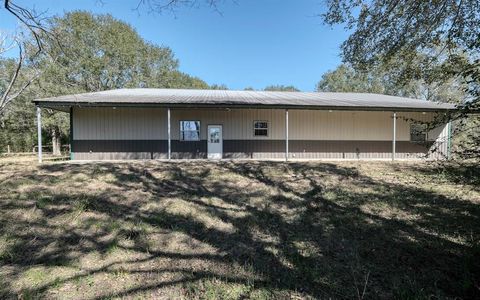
322, 149
134, 155
138, 146
320, 146
99, 146
117, 155
136, 149
256, 149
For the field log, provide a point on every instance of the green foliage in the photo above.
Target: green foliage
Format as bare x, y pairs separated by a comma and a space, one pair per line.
432, 44
384, 29
86, 53
179, 80
6, 68
218, 87
17, 126
98, 52
281, 88
466, 137
345, 79
382, 80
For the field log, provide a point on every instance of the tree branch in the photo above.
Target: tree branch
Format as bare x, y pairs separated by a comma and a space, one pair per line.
4, 98
8, 95
30, 19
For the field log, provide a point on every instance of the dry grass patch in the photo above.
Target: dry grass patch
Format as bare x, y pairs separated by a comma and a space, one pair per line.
235, 230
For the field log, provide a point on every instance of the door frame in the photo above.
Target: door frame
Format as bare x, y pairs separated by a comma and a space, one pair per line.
221, 139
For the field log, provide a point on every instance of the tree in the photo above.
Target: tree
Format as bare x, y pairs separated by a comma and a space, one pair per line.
37, 25
379, 80
281, 88
12, 81
91, 53
218, 87
445, 34
385, 32
34, 22
179, 80
17, 125
346, 79
70, 70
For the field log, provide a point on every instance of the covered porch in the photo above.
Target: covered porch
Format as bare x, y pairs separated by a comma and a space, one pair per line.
118, 133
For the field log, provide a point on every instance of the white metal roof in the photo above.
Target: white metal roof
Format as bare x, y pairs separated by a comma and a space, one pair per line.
228, 98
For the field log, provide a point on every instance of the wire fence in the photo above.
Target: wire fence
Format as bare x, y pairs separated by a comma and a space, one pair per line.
47, 149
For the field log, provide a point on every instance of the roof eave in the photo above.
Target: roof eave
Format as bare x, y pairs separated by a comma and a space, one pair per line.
64, 105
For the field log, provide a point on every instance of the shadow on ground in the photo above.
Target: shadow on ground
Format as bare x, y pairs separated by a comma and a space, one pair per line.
239, 230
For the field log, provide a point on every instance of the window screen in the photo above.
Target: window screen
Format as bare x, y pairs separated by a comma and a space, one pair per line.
418, 132
260, 128
189, 130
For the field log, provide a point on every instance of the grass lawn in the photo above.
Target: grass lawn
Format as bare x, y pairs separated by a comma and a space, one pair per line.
236, 230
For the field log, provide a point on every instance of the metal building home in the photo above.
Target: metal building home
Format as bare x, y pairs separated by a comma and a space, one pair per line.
215, 124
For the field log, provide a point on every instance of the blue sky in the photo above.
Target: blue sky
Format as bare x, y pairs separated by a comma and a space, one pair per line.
250, 44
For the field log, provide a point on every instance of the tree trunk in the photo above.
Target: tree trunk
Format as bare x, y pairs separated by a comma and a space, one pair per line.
56, 143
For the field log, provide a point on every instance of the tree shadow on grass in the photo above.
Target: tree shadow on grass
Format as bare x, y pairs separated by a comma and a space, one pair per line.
309, 229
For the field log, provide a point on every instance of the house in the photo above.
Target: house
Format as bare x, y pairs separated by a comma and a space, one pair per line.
181, 123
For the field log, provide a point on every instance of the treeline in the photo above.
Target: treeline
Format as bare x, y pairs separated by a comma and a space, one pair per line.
432, 83
83, 52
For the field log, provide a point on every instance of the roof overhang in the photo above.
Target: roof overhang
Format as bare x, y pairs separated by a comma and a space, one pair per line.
65, 106
218, 99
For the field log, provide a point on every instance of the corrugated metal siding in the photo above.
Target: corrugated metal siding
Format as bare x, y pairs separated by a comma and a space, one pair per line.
339, 125
323, 149
150, 123
118, 155
439, 149
144, 124
237, 124
346, 125
119, 123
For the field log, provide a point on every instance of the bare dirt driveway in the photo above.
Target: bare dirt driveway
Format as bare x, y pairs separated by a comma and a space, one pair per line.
239, 230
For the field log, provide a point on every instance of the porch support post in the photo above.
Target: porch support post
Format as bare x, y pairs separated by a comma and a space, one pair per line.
394, 140
449, 140
169, 135
71, 132
286, 135
39, 133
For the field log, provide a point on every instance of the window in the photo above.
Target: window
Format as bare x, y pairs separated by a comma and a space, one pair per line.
418, 133
260, 128
214, 133
189, 130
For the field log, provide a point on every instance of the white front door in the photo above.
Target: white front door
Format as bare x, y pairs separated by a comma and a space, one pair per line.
215, 142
